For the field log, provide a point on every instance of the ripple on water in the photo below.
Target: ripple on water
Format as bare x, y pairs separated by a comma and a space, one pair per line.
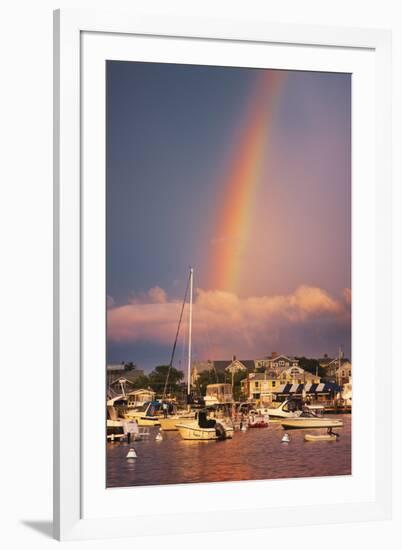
255, 454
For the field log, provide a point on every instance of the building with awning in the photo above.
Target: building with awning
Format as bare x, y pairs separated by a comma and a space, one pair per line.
321, 391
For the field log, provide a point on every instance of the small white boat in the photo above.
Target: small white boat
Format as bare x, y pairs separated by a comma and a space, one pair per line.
204, 429
310, 422
321, 437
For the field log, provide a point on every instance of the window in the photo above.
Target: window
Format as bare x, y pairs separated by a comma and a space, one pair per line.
256, 384
273, 383
350, 373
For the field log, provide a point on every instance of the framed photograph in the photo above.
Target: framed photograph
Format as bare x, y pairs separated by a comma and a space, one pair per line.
222, 260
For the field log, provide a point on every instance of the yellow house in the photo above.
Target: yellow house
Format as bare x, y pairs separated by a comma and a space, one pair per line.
259, 386
296, 375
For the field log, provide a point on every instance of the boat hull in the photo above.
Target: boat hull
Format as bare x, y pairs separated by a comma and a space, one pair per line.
194, 432
144, 420
326, 437
303, 423
170, 423
276, 415
259, 424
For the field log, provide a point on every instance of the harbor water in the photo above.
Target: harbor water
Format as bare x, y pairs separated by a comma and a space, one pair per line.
252, 455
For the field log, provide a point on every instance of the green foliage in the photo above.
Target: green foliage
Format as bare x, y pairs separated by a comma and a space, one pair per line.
311, 365
209, 376
129, 366
238, 377
157, 379
141, 382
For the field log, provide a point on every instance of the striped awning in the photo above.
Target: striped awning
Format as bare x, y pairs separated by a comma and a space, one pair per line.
326, 387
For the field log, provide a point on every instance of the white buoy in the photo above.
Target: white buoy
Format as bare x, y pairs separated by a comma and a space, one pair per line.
131, 453
285, 438
244, 427
158, 437
112, 437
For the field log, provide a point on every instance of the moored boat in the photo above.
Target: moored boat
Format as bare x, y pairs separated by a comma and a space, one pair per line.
321, 437
303, 422
288, 409
170, 422
148, 415
204, 429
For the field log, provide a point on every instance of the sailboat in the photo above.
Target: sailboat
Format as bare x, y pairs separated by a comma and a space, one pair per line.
199, 427
170, 421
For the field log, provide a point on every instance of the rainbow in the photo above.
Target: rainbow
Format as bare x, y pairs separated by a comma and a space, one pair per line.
244, 175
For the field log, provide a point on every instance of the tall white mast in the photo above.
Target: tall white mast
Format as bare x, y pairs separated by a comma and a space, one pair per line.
190, 321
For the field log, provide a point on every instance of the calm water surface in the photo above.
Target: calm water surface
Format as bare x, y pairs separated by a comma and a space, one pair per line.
255, 454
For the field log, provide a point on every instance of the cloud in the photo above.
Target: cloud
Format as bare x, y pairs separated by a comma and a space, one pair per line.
347, 294
224, 323
155, 295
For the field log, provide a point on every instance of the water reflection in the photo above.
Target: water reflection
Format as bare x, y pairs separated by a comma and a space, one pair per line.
255, 454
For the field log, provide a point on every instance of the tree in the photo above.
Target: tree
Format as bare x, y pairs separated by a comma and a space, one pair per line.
129, 366
157, 379
209, 376
238, 377
141, 382
311, 365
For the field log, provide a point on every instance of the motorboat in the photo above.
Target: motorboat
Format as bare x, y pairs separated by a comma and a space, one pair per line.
256, 420
169, 423
148, 415
290, 408
303, 422
202, 428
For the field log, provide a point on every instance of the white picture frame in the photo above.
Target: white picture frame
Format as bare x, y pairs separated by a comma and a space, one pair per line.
83, 508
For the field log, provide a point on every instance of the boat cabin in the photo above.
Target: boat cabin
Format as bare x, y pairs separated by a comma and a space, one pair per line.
217, 394
137, 398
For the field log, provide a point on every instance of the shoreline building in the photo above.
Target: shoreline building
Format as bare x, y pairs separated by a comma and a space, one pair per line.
337, 370
121, 374
228, 367
277, 381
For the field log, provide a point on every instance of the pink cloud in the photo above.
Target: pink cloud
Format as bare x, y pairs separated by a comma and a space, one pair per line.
224, 323
347, 294
155, 295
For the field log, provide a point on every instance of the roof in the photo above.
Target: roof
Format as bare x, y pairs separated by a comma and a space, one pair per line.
139, 391
118, 366
327, 361
222, 364
280, 356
